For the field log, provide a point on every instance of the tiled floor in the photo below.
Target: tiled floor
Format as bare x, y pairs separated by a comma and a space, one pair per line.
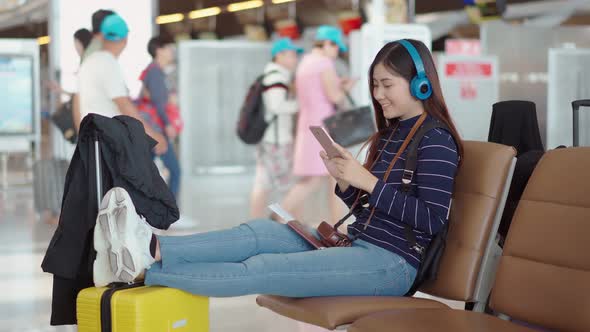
208, 203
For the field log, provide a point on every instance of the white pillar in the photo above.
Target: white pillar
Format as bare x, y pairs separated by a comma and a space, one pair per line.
378, 19
377, 12
411, 11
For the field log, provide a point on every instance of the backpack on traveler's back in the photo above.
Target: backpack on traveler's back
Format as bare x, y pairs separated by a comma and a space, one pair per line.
252, 122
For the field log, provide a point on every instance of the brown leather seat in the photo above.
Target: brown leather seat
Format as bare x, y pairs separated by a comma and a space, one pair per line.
544, 273
429, 320
478, 200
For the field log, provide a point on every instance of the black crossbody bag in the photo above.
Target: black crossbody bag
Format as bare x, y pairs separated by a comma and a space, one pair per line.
353, 126
63, 118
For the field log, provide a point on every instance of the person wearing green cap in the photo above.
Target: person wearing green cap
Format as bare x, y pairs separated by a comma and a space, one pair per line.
274, 154
102, 88
319, 89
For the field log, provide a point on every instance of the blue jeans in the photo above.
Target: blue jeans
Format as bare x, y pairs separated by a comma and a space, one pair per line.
265, 257
171, 162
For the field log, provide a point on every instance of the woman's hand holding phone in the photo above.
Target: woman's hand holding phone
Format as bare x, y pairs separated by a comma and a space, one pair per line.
331, 167
347, 170
342, 165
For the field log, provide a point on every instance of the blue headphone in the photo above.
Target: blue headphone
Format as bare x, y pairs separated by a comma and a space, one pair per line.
420, 86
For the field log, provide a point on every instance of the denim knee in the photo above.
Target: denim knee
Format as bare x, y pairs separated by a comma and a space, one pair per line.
263, 225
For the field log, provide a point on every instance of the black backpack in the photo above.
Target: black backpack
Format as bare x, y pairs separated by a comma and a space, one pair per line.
431, 256
252, 123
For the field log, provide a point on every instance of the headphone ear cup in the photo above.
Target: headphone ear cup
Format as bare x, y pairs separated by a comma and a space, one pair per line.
420, 88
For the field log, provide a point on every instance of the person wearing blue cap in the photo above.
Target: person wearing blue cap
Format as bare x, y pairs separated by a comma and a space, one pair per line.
333, 35
96, 42
103, 91
101, 80
274, 154
319, 89
94, 45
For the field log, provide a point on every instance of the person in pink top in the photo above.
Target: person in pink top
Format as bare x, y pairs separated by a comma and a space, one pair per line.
319, 89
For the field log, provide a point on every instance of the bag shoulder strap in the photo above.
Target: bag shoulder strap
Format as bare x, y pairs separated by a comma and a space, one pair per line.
386, 176
275, 118
270, 86
412, 154
402, 148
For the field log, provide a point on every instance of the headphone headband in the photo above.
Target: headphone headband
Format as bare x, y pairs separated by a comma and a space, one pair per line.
420, 72
420, 86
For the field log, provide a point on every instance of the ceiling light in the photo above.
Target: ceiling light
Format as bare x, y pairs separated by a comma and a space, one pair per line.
165, 19
234, 7
276, 2
212, 11
43, 40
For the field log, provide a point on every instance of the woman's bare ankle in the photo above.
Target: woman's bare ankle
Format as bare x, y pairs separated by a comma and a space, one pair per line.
158, 256
140, 277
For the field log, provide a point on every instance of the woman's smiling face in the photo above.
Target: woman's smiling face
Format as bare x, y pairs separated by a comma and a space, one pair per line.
392, 92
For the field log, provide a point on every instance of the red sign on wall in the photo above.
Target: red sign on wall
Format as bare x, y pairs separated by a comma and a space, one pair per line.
463, 47
468, 69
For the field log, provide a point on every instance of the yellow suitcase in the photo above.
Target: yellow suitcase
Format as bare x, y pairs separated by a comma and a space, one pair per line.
138, 308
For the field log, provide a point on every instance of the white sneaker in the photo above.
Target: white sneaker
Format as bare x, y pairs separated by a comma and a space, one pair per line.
102, 273
126, 236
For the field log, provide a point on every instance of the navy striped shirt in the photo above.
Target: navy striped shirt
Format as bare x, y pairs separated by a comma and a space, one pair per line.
426, 210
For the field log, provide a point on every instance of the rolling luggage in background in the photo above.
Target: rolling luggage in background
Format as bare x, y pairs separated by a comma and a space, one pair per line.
49, 177
576, 104
121, 307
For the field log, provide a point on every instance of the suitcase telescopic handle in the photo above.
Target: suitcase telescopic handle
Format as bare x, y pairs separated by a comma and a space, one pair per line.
98, 173
576, 104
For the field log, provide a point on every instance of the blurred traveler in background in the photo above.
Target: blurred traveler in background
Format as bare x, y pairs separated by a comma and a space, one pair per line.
274, 154
94, 45
63, 119
102, 84
82, 38
319, 90
155, 105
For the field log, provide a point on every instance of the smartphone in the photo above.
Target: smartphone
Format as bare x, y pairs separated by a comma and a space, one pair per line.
325, 141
